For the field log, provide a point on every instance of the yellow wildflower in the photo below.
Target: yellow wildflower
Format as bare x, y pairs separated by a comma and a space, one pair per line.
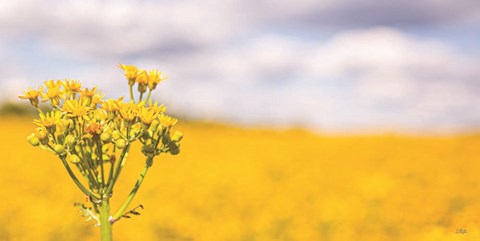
87, 95
72, 86
100, 114
41, 133
142, 80
52, 84
129, 111
142, 77
74, 109
64, 125
32, 96
54, 94
154, 78
167, 121
112, 105
177, 136
93, 128
97, 98
49, 120
156, 108
147, 115
131, 72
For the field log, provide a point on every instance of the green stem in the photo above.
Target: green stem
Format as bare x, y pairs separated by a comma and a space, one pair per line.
113, 179
75, 179
148, 96
131, 94
130, 197
100, 160
110, 175
89, 168
85, 175
93, 178
105, 224
39, 110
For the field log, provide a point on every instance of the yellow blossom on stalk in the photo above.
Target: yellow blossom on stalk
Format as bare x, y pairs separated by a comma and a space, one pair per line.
112, 105
177, 136
74, 108
167, 121
97, 99
142, 77
156, 108
154, 78
88, 92
41, 133
100, 114
53, 94
87, 96
72, 86
129, 111
131, 72
142, 80
147, 115
52, 84
63, 125
32, 95
49, 120
93, 128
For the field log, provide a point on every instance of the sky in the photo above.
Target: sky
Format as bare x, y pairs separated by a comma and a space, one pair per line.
331, 66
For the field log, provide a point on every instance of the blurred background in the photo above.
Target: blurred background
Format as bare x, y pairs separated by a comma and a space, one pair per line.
303, 120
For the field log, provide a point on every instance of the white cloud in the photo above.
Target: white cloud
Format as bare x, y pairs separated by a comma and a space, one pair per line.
375, 78
243, 61
118, 29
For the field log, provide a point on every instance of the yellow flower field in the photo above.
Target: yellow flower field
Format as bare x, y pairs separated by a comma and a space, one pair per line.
236, 184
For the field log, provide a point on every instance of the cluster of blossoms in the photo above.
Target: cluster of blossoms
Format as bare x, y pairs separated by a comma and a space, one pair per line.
94, 135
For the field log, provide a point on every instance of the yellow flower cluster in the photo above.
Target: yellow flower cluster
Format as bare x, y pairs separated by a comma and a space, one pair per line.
89, 131
142, 77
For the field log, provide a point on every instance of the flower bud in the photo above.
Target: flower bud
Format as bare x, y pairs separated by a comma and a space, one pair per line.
116, 135
105, 158
137, 126
100, 114
148, 150
177, 136
60, 138
44, 141
59, 149
71, 125
146, 134
33, 139
166, 139
136, 130
112, 158
106, 137
107, 129
174, 148
121, 143
154, 125
142, 88
41, 133
73, 159
70, 141
63, 125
